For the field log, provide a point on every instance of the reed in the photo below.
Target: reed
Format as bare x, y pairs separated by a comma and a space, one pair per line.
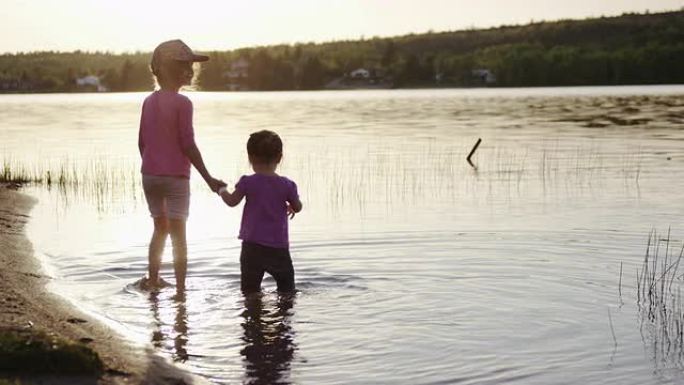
359, 177
100, 181
659, 297
95, 173
12, 173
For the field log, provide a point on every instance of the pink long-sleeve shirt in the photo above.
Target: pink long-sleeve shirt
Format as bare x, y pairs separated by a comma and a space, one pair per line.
165, 133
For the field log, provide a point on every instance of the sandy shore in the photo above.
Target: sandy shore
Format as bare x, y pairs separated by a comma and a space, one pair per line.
26, 306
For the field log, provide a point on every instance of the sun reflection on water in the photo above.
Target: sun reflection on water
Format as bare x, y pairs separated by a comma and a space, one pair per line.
406, 257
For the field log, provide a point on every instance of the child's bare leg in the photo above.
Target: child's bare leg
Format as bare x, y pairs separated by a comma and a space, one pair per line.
180, 252
161, 230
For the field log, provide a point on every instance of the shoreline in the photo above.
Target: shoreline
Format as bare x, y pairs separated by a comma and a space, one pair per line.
659, 86
27, 307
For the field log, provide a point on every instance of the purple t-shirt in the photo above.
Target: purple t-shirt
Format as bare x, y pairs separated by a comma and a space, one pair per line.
165, 131
264, 218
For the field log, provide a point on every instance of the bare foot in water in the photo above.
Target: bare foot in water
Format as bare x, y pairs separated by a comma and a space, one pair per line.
179, 297
146, 284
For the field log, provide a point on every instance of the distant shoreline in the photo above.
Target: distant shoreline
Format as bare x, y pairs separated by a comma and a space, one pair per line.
417, 87
629, 49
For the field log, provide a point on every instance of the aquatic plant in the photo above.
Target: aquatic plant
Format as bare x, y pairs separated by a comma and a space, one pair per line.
659, 298
360, 177
95, 173
13, 174
98, 180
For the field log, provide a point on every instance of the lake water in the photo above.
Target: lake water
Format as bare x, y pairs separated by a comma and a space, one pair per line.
412, 266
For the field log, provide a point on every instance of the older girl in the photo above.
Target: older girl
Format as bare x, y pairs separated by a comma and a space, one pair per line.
167, 147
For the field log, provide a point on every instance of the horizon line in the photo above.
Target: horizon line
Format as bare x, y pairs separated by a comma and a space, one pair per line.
360, 38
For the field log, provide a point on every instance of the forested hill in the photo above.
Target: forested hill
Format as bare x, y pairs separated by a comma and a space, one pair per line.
627, 49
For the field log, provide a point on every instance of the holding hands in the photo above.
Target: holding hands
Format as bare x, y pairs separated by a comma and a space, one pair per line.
231, 199
215, 184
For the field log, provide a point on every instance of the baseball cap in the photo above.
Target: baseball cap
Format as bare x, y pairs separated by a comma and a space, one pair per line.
174, 50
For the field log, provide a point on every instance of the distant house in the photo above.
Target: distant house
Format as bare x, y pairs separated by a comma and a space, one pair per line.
10, 84
13, 85
91, 82
483, 76
360, 73
236, 76
238, 69
362, 78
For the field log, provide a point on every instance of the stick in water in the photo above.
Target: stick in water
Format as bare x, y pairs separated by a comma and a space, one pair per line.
477, 144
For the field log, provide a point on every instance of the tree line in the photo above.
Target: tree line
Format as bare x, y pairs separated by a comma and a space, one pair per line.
626, 49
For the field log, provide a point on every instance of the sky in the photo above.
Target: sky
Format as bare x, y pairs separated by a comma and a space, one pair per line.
139, 25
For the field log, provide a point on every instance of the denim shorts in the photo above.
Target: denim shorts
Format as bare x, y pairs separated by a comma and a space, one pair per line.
167, 196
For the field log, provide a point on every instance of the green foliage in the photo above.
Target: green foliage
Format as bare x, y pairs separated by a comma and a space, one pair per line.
58, 71
628, 49
37, 352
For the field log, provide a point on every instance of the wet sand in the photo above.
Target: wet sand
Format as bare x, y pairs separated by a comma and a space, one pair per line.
26, 307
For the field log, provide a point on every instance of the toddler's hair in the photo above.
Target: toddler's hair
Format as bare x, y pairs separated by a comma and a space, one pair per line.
264, 146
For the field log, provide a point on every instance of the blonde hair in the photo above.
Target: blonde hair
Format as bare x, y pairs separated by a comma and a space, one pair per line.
164, 66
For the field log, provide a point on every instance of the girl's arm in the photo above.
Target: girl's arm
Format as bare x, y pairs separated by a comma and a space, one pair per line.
141, 143
231, 199
187, 142
193, 153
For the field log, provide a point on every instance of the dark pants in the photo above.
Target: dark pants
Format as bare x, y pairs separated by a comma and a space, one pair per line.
256, 259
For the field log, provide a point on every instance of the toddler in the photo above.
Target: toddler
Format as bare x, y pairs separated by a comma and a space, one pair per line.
270, 199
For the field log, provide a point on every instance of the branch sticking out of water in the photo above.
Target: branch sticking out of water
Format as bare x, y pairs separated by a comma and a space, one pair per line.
477, 144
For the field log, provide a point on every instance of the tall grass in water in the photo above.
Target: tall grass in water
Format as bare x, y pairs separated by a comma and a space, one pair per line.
13, 173
659, 299
99, 180
93, 174
375, 175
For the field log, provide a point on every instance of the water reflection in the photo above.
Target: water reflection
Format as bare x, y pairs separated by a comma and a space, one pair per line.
178, 333
268, 339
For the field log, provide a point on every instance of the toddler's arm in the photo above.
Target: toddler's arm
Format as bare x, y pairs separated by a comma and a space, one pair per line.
231, 199
296, 205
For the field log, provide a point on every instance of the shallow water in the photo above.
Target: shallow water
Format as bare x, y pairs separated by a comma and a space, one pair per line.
412, 266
